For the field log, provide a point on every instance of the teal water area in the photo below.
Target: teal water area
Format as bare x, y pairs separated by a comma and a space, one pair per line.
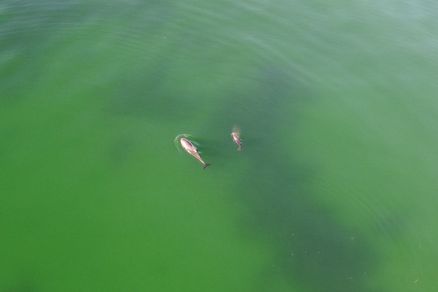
334, 191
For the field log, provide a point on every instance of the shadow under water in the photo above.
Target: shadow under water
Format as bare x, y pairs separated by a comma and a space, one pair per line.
312, 247
145, 94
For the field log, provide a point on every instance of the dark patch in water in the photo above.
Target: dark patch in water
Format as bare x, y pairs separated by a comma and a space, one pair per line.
312, 247
141, 93
145, 94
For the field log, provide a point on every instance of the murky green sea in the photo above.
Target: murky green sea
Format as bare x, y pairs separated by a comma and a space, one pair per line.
336, 187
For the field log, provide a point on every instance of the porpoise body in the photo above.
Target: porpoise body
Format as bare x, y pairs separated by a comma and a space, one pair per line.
191, 149
236, 138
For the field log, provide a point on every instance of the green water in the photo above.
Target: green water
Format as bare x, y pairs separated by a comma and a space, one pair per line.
336, 187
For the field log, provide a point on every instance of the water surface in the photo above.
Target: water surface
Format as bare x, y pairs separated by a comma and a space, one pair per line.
335, 189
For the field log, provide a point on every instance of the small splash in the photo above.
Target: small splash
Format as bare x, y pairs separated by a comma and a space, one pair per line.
236, 129
177, 139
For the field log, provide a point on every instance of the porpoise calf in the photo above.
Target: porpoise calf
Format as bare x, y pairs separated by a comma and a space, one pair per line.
236, 138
